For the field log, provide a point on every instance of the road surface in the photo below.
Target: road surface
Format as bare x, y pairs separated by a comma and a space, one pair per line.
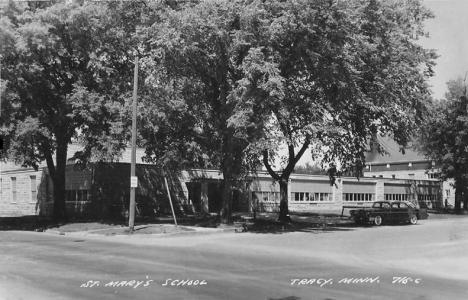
425, 261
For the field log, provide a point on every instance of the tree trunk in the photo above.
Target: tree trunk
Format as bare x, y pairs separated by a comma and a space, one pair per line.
225, 214
57, 174
458, 198
231, 172
284, 209
465, 200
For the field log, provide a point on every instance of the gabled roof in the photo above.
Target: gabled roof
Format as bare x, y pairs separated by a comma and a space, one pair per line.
395, 153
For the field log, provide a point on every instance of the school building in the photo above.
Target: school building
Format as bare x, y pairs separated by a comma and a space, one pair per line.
102, 190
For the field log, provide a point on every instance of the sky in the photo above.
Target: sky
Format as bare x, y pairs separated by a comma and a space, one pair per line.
449, 37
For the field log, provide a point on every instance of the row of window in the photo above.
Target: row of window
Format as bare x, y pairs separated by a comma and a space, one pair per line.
71, 195
84, 195
427, 197
396, 197
358, 197
266, 196
349, 197
411, 176
306, 196
78, 195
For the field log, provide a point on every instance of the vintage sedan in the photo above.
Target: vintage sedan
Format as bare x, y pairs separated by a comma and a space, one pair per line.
389, 212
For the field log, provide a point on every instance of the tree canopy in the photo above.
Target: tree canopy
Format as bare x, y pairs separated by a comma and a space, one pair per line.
331, 74
443, 138
225, 84
65, 68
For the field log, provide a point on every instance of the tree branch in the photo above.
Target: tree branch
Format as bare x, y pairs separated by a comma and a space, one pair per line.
267, 165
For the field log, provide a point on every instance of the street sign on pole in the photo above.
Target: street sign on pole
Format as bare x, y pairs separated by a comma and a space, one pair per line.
131, 219
134, 182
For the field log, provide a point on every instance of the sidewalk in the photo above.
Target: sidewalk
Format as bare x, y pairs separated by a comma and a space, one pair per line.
194, 224
243, 222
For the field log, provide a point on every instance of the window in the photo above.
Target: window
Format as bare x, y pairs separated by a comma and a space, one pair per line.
447, 193
70, 195
77, 195
396, 197
265, 196
350, 197
13, 190
312, 197
427, 198
33, 189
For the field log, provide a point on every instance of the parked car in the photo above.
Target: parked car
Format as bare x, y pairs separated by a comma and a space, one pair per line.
389, 212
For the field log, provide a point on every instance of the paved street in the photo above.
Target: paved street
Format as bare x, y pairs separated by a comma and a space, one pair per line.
426, 261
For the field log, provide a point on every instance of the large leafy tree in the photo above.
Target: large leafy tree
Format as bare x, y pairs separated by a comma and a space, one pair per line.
443, 138
195, 56
331, 74
66, 68
259, 75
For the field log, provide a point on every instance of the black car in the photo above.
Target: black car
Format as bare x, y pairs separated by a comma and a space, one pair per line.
389, 212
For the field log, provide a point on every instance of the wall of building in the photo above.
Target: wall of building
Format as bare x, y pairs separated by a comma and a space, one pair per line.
110, 191
103, 191
23, 192
413, 171
309, 193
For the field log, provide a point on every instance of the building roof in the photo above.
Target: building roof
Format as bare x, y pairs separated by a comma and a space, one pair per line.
394, 155
72, 149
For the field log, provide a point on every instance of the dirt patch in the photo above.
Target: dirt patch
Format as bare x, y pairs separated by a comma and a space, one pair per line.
74, 227
157, 229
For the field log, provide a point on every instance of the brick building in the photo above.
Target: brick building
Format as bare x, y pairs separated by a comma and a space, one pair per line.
102, 190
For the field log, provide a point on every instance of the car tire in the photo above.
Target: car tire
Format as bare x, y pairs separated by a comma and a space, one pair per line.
378, 220
413, 220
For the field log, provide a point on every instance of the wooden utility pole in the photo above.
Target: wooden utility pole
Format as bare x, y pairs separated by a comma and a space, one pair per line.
133, 179
170, 200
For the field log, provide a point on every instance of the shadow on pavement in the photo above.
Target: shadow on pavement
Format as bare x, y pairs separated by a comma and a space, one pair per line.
261, 223
276, 227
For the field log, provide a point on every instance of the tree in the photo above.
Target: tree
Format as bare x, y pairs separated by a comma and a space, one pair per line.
331, 74
443, 138
66, 66
258, 74
194, 61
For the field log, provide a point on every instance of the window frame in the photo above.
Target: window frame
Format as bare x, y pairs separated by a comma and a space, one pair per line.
14, 191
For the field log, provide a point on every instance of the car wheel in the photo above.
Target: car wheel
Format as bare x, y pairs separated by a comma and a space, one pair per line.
413, 220
378, 220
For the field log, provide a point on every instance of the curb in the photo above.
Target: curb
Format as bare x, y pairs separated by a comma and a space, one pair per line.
192, 231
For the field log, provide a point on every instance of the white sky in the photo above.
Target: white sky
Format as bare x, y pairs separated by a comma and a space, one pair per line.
449, 36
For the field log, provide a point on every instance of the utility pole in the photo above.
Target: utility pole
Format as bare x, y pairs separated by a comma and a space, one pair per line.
133, 178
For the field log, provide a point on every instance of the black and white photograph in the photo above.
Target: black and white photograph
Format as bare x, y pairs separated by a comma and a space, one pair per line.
233, 149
